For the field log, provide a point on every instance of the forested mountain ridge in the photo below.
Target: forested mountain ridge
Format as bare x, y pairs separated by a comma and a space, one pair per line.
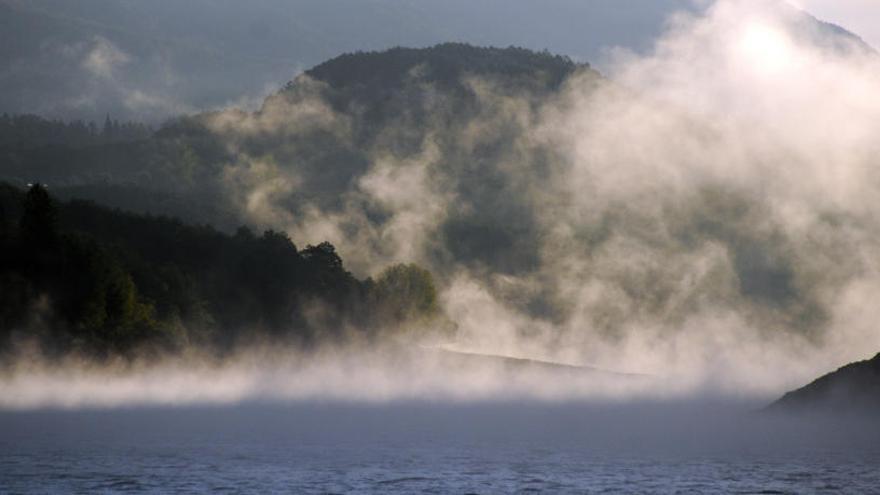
384, 98
186, 154
79, 277
152, 60
446, 63
24, 132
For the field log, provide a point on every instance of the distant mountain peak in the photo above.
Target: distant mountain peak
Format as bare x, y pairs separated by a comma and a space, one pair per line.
832, 36
444, 63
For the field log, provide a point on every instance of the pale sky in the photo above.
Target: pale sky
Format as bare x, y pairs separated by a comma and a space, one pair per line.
862, 17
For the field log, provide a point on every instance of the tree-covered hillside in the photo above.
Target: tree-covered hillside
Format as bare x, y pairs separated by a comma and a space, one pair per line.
327, 125
77, 276
151, 60
446, 64
23, 132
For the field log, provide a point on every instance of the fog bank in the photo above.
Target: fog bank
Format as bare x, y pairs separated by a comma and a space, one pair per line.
704, 215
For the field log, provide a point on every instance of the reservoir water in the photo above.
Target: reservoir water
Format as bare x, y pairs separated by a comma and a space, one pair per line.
435, 448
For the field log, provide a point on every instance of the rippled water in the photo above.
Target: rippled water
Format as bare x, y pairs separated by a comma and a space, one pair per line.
506, 448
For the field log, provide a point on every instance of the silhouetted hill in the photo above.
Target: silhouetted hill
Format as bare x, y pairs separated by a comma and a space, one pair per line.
852, 388
392, 98
446, 63
419, 84
150, 60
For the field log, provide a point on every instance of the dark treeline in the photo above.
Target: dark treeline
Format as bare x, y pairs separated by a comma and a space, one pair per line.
80, 277
32, 131
393, 99
448, 63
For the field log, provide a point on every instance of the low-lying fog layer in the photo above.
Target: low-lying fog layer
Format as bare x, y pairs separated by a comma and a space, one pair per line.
374, 375
365, 374
709, 220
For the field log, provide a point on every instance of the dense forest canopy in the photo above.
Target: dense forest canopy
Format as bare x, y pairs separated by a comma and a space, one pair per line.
20, 132
80, 277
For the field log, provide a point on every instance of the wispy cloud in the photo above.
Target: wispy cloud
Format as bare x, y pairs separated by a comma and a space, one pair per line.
707, 213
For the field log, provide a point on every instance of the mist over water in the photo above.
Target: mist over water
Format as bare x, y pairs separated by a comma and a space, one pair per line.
703, 218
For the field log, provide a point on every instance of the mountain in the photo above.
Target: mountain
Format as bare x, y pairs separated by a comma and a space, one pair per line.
152, 60
451, 111
852, 388
446, 63
828, 35
472, 163
386, 97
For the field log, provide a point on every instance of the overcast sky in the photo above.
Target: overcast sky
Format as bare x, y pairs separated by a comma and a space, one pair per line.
859, 16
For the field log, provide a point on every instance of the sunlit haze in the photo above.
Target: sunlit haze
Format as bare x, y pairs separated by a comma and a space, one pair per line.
439, 246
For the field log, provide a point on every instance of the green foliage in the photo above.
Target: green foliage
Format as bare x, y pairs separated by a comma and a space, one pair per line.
117, 282
99, 300
406, 292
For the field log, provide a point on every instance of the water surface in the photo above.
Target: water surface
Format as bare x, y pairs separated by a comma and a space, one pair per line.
434, 448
